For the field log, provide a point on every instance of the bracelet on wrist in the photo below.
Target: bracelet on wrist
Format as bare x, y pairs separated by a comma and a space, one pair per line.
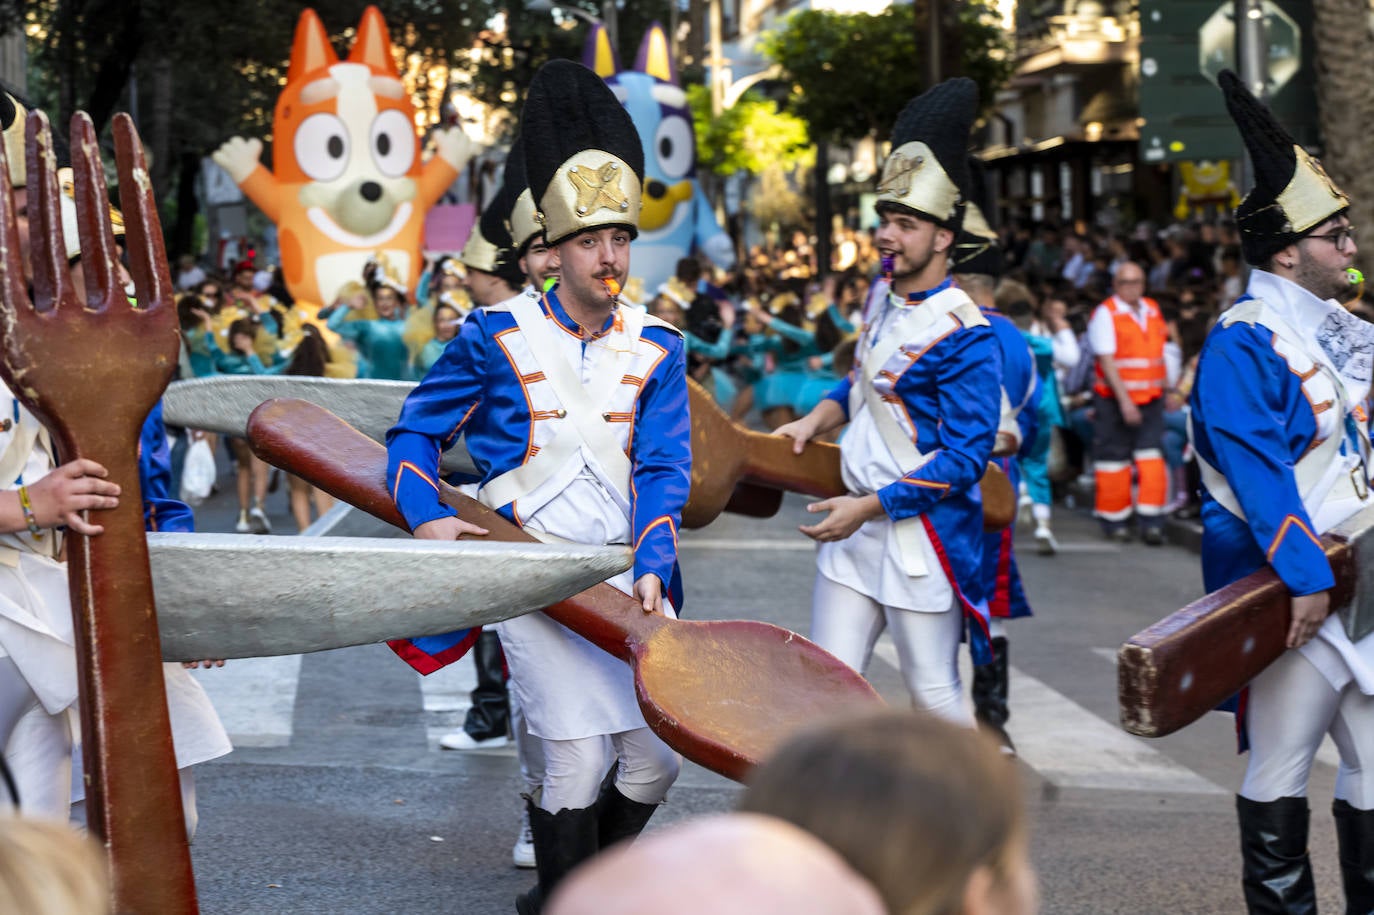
29, 517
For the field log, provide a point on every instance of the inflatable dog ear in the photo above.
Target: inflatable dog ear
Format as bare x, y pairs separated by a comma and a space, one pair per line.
676, 218
347, 183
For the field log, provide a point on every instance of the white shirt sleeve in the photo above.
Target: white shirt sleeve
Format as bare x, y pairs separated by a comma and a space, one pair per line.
1064, 346
1102, 332
1173, 364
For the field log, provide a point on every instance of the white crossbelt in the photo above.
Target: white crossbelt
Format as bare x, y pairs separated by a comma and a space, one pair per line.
1318, 471
583, 408
916, 321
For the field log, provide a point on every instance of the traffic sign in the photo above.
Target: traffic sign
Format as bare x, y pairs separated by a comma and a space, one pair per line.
1282, 35
1184, 44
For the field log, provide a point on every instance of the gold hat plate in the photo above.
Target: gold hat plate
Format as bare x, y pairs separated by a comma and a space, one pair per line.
913, 177
592, 189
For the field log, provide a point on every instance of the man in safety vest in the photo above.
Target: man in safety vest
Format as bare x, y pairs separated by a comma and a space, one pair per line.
1127, 334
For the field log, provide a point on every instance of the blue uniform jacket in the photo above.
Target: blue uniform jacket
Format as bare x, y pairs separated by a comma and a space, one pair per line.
1021, 382
1252, 422
473, 390
160, 511
952, 393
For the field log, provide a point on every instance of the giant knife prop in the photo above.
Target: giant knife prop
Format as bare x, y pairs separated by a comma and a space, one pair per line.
1188, 663
723, 694
293, 595
733, 468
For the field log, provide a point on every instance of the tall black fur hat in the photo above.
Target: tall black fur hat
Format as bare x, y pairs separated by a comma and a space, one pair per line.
977, 247
927, 170
583, 158
524, 215
1292, 193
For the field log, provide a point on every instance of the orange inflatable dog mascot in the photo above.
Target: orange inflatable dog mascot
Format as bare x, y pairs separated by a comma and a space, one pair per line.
347, 183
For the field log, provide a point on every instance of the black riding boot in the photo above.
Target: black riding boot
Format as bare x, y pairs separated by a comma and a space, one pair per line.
621, 818
1355, 837
562, 841
1277, 874
990, 692
490, 713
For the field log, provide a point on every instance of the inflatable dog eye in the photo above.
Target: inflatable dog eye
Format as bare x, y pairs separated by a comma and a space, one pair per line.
347, 184
676, 217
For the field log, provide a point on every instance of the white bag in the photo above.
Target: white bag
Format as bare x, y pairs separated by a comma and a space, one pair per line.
198, 473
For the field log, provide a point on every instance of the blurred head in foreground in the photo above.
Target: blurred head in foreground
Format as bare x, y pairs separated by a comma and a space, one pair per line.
929, 812
730, 864
47, 868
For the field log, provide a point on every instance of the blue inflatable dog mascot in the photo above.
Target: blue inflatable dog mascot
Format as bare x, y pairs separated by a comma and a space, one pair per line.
676, 218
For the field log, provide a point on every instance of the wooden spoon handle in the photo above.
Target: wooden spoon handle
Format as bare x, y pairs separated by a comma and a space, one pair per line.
314, 444
769, 461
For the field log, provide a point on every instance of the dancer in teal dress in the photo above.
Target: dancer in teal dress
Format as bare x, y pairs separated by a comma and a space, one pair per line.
447, 319
380, 342
792, 346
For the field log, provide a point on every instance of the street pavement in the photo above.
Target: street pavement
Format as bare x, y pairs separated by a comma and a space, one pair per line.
338, 798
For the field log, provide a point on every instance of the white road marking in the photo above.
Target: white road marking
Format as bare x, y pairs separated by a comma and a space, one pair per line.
1071, 747
255, 698
447, 689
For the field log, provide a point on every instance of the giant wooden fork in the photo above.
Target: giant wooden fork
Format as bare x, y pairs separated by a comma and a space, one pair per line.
92, 371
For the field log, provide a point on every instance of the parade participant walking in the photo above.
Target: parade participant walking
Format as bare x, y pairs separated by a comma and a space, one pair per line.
1281, 437
39, 498
575, 412
976, 264
381, 342
1127, 336
905, 549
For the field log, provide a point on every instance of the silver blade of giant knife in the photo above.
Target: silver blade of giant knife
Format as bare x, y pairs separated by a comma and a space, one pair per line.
242, 596
222, 404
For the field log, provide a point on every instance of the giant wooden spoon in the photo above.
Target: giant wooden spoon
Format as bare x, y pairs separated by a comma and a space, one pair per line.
729, 460
723, 694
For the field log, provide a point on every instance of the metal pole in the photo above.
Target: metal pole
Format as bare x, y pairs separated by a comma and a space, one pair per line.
932, 42
717, 62
608, 19
1253, 61
673, 15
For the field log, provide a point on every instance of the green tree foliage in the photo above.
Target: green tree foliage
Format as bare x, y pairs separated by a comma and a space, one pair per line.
853, 72
749, 137
507, 60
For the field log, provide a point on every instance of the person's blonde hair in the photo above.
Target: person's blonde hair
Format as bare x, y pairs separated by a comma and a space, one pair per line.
1010, 292
47, 868
912, 802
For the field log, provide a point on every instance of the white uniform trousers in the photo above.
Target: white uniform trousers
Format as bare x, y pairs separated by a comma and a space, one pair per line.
847, 624
1291, 707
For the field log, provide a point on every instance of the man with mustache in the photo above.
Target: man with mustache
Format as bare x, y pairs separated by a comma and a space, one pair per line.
575, 413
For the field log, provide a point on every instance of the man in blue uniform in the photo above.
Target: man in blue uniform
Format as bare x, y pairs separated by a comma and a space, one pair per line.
1282, 440
575, 413
976, 264
904, 549
494, 273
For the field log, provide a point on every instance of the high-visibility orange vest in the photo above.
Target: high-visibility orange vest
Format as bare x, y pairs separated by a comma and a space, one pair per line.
1139, 353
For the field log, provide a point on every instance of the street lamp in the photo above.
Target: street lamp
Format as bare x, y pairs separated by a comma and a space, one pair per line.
608, 14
